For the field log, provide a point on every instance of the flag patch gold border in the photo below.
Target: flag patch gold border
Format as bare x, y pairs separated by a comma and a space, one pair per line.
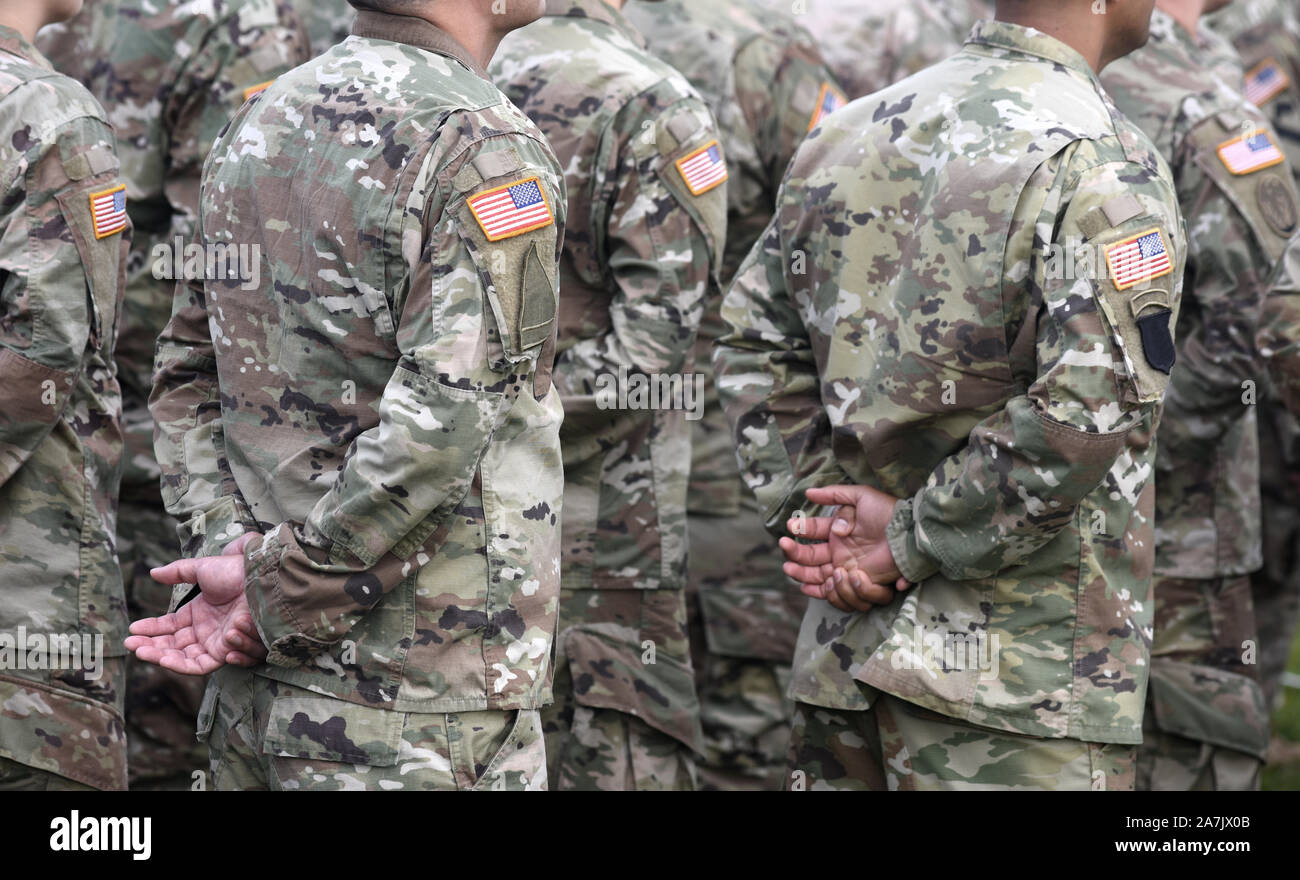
726, 172
100, 234
1223, 146
550, 213
1110, 264
818, 115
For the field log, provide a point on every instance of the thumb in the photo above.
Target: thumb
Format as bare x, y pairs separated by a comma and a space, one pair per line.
182, 571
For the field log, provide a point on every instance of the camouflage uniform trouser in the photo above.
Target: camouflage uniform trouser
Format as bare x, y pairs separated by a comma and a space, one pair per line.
896, 745
264, 734
20, 777
744, 622
161, 706
589, 748
1205, 727
1276, 587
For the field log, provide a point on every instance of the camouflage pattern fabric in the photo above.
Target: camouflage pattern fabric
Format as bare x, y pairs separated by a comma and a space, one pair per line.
171, 76
63, 243
871, 44
984, 366
327, 21
589, 748
268, 735
1240, 218
767, 90
390, 429
1267, 33
15, 776
897, 746
640, 263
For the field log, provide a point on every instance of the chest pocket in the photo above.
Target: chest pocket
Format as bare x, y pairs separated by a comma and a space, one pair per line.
1245, 161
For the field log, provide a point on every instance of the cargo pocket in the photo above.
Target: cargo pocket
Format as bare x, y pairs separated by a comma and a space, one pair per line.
325, 729
1209, 705
520, 763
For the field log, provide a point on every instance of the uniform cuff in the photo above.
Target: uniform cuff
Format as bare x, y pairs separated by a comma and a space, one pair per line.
286, 643
900, 534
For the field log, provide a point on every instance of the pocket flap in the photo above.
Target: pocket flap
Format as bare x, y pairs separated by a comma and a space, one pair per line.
325, 729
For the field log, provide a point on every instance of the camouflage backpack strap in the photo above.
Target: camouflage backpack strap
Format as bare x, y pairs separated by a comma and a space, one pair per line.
1244, 158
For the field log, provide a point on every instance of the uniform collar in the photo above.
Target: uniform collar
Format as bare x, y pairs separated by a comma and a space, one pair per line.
1164, 30
413, 32
1028, 41
16, 44
596, 10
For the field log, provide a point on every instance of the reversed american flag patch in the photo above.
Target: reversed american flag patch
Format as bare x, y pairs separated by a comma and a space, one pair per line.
1264, 81
108, 211
703, 169
1138, 258
1250, 152
830, 100
512, 209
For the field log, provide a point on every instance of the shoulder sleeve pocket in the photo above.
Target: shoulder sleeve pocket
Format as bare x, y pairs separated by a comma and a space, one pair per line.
1137, 296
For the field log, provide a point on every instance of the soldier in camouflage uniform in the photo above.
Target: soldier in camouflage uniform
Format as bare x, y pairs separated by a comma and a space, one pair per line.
982, 347
871, 44
382, 471
1206, 725
767, 91
648, 213
171, 76
63, 242
1265, 33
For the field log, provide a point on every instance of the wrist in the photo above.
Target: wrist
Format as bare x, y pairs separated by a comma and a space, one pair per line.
901, 536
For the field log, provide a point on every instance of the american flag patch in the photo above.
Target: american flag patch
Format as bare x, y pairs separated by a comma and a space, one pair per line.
257, 89
513, 209
704, 169
1138, 258
1250, 152
108, 211
1264, 81
830, 100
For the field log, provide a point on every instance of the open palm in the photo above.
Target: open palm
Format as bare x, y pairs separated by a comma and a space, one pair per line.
213, 630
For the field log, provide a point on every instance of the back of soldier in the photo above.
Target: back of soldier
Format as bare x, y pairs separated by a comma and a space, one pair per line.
170, 75
387, 429
63, 233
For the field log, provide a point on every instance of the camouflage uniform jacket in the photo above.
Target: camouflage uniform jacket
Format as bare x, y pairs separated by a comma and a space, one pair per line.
872, 44
379, 406
908, 324
640, 262
1240, 215
1264, 33
171, 75
61, 276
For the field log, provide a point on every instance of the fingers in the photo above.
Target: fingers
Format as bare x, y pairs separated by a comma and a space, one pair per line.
848, 594
168, 624
867, 591
816, 528
805, 554
845, 495
182, 571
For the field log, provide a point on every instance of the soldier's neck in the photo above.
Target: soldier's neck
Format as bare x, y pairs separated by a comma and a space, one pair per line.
617, 4
26, 18
1186, 12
